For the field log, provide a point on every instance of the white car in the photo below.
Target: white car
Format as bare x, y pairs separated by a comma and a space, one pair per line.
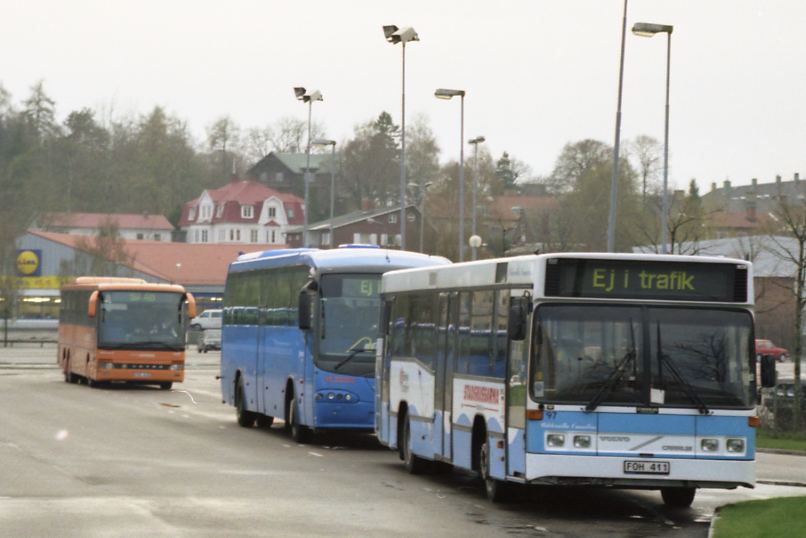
209, 319
209, 339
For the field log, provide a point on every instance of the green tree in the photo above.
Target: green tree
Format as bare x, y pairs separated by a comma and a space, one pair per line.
371, 161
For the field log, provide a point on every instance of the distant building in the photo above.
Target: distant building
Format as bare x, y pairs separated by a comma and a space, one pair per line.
134, 226
379, 226
242, 211
285, 171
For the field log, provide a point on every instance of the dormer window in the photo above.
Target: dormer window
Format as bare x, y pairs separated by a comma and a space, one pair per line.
290, 213
219, 210
393, 218
192, 213
272, 212
246, 211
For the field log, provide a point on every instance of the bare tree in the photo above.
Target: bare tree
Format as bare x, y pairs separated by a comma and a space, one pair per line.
791, 221
222, 135
647, 151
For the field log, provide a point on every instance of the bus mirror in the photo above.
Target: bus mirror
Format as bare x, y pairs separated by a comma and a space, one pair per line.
191, 305
516, 324
767, 371
92, 306
304, 310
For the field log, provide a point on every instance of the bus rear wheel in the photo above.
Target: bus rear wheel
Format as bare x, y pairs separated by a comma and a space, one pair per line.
678, 497
166, 385
246, 419
414, 464
265, 421
495, 489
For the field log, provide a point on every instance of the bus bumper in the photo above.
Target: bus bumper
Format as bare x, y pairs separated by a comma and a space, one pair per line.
332, 415
610, 471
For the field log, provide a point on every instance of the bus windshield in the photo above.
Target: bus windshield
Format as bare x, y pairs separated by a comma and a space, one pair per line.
141, 320
350, 310
629, 355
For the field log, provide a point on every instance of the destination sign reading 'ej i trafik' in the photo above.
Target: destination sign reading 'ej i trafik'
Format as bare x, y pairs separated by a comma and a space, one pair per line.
637, 279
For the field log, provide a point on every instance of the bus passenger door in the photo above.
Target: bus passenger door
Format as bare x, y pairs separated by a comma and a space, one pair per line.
446, 349
516, 387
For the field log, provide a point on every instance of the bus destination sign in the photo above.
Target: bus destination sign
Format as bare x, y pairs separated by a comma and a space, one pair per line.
637, 279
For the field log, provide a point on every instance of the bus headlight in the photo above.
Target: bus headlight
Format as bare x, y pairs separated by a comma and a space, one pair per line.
106, 365
709, 445
582, 441
555, 440
735, 445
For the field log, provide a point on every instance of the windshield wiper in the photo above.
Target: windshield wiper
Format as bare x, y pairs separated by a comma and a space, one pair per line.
687, 388
353, 353
617, 374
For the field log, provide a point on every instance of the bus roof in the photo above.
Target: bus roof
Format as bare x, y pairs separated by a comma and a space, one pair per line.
108, 283
349, 258
517, 270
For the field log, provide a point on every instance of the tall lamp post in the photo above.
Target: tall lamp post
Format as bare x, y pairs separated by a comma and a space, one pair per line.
394, 35
611, 221
646, 29
443, 93
307, 97
475, 141
421, 190
332, 143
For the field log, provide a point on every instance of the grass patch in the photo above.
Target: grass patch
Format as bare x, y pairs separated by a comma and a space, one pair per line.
784, 516
781, 440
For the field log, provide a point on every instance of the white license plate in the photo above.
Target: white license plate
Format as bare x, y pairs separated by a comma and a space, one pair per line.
647, 467
142, 374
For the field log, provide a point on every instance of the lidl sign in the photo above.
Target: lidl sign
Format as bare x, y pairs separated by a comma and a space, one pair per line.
29, 262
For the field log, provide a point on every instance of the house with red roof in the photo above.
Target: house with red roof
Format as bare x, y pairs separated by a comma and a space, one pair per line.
133, 226
243, 212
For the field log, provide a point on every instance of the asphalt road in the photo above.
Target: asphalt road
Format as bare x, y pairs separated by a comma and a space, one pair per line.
76, 461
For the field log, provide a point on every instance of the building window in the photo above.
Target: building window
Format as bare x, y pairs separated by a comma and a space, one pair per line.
290, 212
192, 213
272, 212
253, 236
157, 237
273, 236
278, 177
231, 234
384, 239
246, 211
393, 218
204, 236
139, 236
222, 235
219, 210
325, 239
195, 236
237, 234
205, 212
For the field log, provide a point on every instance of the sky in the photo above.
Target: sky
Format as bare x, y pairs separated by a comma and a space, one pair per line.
538, 74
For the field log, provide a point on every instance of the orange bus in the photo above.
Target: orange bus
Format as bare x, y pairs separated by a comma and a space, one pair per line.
123, 330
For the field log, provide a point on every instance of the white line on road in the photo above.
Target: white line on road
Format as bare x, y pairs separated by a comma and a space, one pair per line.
189, 396
315, 454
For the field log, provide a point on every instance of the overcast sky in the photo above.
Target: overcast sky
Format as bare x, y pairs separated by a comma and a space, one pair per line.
538, 74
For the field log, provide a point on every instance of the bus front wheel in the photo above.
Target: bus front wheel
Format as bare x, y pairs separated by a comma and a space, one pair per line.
678, 497
299, 433
246, 419
166, 385
496, 490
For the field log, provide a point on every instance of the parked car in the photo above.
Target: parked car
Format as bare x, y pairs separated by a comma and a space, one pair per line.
777, 404
209, 339
766, 347
209, 319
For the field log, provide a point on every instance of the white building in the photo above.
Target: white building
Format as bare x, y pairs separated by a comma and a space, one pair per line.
132, 226
241, 212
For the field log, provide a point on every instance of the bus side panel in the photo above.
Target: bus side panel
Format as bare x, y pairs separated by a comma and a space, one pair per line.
516, 456
239, 353
413, 384
280, 361
472, 397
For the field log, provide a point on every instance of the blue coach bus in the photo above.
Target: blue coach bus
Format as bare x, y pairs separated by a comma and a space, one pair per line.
299, 334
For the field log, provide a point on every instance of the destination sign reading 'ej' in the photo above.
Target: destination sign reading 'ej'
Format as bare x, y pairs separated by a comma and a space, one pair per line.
635, 279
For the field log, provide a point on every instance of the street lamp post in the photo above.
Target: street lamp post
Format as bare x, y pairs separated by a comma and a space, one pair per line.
307, 97
394, 35
443, 93
475, 141
611, 221
421, 190
332, 143
646, 29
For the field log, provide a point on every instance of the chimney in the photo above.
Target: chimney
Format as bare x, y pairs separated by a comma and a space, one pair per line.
778, 181
713, 186
726, 184
797, 177
754, 182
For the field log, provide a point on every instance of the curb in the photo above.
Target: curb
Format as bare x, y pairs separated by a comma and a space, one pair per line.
790, 483
713, 522
781, 451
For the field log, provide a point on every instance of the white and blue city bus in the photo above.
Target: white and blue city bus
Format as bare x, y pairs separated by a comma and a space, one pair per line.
299, 333
632, 371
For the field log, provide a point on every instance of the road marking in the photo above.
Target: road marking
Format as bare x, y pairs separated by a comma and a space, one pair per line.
189, 396
315, 454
